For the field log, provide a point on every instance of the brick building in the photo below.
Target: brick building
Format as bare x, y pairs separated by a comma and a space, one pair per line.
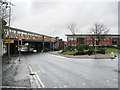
89, 39
62, 44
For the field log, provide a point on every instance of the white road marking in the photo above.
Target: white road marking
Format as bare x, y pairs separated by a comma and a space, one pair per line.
37, 79
83, 83
11, 87
61, 66
108, 69
40, 81
41, 69
34, 76
59, 57
65, 85
107, 80
115, 79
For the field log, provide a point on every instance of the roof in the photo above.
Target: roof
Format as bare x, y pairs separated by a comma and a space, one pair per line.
30, 32
91, 35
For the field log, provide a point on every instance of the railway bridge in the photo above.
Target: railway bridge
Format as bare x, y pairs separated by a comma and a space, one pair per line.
13, 36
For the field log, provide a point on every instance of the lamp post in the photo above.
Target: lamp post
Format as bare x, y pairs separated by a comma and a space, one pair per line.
53, 46
7, 5
19, 47
9, 30
43, 44
95, 47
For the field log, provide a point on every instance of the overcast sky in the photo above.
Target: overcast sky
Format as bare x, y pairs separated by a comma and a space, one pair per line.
51, 17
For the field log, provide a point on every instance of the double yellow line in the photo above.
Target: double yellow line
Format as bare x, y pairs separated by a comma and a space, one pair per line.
35, 76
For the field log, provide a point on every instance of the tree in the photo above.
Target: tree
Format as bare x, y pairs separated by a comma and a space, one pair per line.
99, 32
72, 28
4, 14
5, 11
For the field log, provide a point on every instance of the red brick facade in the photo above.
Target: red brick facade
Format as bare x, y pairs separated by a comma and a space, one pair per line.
74, 40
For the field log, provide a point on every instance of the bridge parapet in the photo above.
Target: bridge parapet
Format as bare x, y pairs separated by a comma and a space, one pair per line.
14, 33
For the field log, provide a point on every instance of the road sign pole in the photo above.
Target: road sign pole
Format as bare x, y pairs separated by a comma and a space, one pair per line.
21, 46
8, 50
43, 46
9, 29
21, 42
50, 46
53, 46
19, 49
95, 48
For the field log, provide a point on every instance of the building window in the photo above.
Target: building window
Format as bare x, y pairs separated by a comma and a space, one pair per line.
80, 40
114, 42
97, 42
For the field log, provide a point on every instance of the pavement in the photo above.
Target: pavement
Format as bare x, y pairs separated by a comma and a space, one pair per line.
97, 56
15, 73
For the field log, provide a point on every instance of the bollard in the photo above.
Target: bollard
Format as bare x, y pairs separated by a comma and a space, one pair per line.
112, 55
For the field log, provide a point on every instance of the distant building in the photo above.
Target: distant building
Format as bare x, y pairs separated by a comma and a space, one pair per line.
62, 44
87, 39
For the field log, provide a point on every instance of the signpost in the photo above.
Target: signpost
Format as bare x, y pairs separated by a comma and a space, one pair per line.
53, 46
65, 45
9, 41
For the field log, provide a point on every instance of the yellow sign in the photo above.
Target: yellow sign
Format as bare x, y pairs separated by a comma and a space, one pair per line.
8, 40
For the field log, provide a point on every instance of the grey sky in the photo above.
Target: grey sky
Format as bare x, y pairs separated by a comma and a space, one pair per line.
51, 17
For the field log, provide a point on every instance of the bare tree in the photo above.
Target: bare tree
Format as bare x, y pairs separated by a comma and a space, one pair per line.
99, 32
5, 9
72, 28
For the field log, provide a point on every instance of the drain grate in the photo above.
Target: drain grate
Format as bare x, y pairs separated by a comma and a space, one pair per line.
32, 74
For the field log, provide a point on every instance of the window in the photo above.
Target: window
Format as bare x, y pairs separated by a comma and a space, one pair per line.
80, 40
114, 42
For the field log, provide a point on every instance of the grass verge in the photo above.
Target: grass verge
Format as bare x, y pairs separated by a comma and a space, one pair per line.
109, 50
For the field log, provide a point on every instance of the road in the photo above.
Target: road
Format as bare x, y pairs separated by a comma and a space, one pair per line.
61, 72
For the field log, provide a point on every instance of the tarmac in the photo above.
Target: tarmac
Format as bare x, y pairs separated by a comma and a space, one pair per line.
16, 73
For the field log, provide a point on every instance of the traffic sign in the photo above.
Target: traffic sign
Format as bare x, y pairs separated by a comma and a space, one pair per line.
20, 39
8, 40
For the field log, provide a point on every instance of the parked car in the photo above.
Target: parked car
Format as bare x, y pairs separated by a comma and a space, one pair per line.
34, 50
24, 49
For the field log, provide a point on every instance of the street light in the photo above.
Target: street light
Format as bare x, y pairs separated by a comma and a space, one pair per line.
95, 39
53, 45
7, 5
95, 47
19, 47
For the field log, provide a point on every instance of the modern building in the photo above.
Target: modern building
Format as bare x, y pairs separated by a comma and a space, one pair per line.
89, 39
62, 44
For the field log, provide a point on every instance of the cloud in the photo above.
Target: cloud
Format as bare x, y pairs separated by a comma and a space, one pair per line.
52, 18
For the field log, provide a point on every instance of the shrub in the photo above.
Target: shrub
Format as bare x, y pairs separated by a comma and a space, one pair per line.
70, 48
80, 53
107, 46
80, 48
90, 52
101, 51
46, 49
86, 47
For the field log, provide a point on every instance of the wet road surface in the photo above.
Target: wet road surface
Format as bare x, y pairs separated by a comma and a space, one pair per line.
60, 72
